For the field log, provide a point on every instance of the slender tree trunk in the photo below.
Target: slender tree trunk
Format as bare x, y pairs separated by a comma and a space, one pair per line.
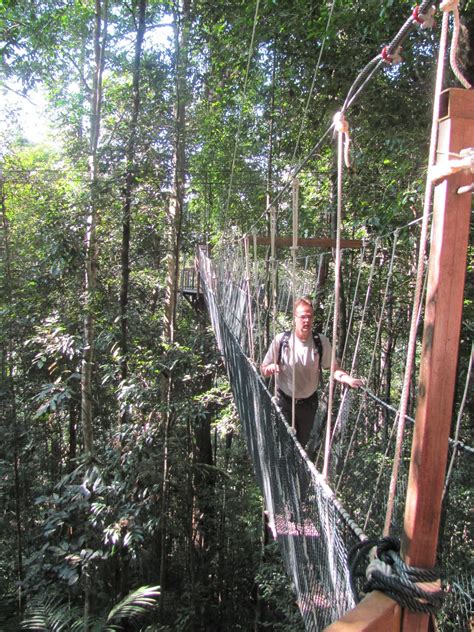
176, 203
174, 219
72, 434
7, 380
100, 37
127, 196
268, 199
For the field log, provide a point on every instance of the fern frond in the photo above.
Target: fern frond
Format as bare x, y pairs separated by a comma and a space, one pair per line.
133, 606
49, 614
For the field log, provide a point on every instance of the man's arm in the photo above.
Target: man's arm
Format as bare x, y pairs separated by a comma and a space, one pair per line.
344, 378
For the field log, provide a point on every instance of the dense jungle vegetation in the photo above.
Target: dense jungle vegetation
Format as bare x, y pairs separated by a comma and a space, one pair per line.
126, 494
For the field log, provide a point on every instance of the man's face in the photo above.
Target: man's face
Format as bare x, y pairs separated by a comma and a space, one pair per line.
303, 321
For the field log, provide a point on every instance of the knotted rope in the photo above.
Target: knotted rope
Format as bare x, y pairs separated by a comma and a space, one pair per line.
388, 573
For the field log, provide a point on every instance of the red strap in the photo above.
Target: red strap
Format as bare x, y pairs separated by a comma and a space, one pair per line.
386, 55
416, 15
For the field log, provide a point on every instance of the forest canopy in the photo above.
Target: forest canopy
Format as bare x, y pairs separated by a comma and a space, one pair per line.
126, 491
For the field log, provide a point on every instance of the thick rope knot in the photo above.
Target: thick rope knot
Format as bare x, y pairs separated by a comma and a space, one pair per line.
378, 566
341, 125
388, 573
424, 20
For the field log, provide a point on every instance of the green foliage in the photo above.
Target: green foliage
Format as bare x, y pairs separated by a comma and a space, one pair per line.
97, 530
52, 614
134, 606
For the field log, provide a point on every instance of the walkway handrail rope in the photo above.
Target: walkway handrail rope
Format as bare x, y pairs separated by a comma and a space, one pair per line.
273, 287
257, 289
381, 470
382, 309
369, 69
384, 56
372, 362
377, 338
419, 277
295, 201
354, 300
455, 442
249, 300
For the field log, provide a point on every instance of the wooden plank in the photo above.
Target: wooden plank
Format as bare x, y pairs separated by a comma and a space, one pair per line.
444, 299
375, 613
312, 242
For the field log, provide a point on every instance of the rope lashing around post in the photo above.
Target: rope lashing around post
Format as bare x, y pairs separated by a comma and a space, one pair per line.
341, 125
389, 574
463, 162
424, 20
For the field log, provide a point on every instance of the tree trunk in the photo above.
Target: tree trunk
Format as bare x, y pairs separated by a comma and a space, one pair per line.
127, 197
100, 37
9, 405
176, 203
174, 223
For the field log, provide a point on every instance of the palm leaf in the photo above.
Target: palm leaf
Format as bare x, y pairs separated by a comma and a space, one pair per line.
49, 614
134, 606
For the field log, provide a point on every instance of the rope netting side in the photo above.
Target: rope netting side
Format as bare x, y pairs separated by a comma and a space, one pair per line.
312, 528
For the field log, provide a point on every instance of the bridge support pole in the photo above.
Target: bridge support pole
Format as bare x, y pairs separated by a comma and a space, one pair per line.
443, 313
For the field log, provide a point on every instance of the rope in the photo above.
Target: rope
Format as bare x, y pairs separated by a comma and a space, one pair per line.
446, 6
359, 83
388, 573
249, 300
419, 281
294, 249
359, 337
337, 272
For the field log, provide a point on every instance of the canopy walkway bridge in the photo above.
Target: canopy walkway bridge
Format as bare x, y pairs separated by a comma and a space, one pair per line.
316, 519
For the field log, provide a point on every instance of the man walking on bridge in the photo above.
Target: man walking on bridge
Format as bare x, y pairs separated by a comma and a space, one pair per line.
295, 359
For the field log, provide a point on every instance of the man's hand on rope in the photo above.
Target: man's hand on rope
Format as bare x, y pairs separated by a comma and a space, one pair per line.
268, 370
344, 378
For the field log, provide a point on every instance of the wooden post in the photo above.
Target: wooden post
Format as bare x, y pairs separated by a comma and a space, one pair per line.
443, 311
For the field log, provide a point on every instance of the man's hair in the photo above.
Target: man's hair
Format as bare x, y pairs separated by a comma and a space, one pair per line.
307, 302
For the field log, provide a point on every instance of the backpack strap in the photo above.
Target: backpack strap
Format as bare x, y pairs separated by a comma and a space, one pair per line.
319, 346
284, 342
